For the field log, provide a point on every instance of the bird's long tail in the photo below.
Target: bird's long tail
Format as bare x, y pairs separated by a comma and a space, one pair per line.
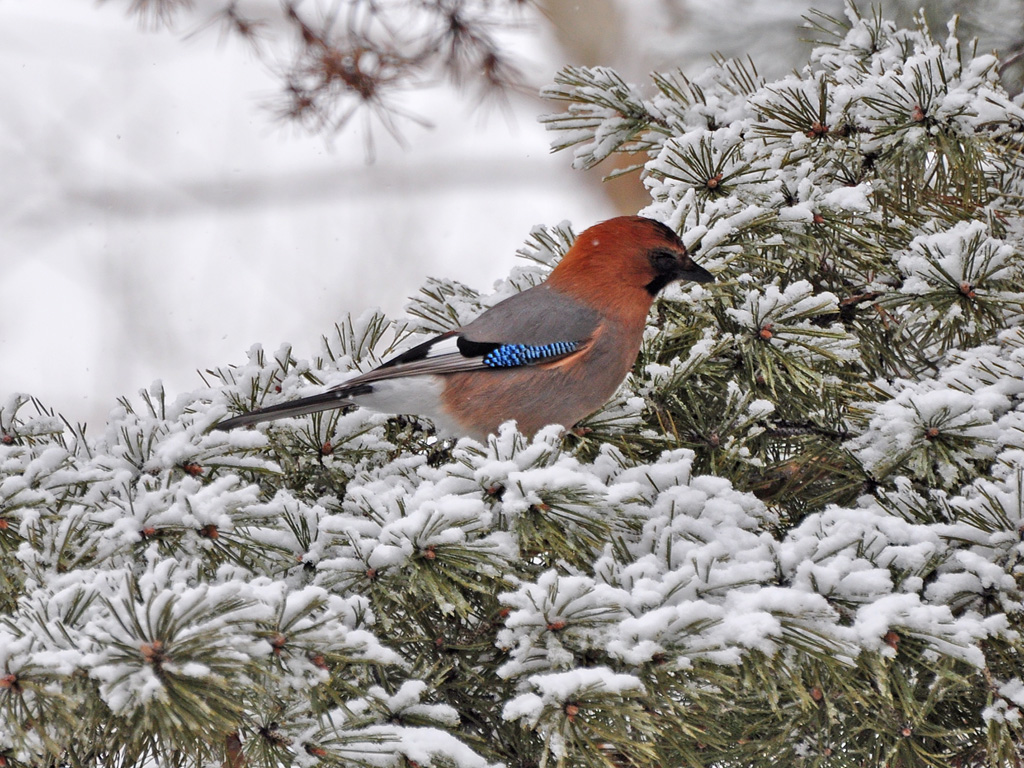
325, 401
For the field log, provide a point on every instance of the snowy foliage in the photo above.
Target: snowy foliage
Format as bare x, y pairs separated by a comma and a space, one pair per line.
794, 534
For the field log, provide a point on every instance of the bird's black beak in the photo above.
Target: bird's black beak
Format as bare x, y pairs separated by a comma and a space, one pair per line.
688, 269
694, 273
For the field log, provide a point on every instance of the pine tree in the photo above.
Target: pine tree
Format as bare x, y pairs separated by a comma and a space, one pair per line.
794, 538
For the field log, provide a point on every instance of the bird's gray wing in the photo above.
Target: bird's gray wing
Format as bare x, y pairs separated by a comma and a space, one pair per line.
538, 325
537, 316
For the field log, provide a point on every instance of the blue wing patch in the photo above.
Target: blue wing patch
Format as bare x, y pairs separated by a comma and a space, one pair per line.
512, 355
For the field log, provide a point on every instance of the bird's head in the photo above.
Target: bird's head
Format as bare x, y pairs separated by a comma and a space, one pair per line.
628, 256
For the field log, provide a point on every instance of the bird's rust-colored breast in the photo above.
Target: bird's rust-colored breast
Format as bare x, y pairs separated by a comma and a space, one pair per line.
561, 392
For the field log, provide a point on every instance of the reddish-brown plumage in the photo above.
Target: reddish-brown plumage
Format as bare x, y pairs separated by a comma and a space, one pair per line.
562, 392
608, 268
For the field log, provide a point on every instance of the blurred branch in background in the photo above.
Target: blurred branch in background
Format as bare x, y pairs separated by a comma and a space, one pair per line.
340, 60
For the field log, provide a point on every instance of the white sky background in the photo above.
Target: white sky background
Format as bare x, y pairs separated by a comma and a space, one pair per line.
155, 220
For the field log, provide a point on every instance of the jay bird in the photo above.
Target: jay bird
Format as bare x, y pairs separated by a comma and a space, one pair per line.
552, 354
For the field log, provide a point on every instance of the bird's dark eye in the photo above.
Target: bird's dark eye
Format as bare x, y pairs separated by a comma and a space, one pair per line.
664, 260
